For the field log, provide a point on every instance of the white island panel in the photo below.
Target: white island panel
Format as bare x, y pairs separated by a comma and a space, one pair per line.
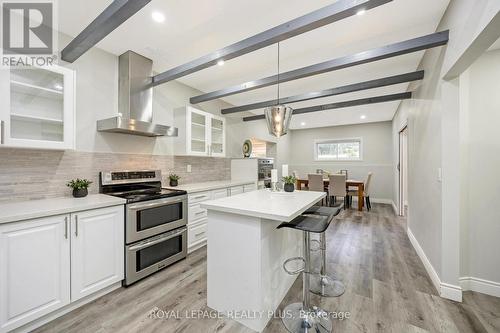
245, 252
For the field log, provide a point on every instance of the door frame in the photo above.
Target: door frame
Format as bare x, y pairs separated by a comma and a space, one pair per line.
402, 165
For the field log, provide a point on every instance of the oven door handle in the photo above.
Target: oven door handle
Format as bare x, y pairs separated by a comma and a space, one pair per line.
154, 204
156, 241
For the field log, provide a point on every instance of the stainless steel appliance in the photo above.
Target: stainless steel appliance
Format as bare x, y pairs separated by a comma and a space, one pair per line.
264, 167
155, 221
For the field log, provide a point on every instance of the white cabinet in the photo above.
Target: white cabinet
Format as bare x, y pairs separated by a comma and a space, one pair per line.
48, 263
200, 133
249, 188
236, 190
37, 107
34, 269
96, 250
221, 193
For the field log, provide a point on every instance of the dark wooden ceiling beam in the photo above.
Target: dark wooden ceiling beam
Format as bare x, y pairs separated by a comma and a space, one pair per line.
318, 18
112, 17
377, 83
345, 104
384, 52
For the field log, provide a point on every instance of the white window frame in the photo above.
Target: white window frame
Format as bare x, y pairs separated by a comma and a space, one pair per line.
338, 140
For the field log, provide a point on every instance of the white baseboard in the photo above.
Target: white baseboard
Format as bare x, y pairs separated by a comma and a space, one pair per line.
394, 208
480, 285
376, 200
445, 290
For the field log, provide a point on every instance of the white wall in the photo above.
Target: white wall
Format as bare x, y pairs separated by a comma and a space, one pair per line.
480, 88
377, 154
239, 131
97, 98
432, 116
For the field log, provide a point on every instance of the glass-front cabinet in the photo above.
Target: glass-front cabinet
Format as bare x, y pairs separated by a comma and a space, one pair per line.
200, 133
37, 107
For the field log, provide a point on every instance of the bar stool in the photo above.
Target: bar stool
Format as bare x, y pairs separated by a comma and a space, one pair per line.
302, 317
322, 284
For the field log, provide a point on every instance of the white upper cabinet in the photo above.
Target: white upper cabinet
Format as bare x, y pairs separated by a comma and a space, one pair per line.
37, 107
200, 133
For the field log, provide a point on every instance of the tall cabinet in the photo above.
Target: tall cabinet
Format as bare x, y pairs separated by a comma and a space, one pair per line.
200, 133
37, 107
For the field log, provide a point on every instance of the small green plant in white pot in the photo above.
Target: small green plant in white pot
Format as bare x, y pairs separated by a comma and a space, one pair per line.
289, 183
80, 187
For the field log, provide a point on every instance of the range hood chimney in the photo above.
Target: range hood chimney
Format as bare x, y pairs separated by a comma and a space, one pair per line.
135, 100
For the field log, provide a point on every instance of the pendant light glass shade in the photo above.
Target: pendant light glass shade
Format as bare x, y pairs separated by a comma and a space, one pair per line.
278, 119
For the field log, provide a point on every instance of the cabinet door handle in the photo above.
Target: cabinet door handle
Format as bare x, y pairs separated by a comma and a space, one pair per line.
66, 227
76, 225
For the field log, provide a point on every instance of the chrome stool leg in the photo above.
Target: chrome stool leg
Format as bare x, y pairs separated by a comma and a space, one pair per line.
322, 284
302, 317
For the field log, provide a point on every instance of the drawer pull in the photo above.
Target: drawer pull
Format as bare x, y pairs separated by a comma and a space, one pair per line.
200, 196
198, 213
199, 234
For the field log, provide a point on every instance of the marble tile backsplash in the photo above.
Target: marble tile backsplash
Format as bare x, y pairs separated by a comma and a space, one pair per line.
35, 174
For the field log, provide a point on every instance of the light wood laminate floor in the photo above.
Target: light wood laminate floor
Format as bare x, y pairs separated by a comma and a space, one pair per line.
388, 290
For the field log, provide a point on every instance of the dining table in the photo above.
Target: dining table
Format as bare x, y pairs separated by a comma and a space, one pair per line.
359, 184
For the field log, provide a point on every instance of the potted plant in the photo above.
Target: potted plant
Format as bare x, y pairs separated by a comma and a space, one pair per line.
174, 179
80, 187
289, 183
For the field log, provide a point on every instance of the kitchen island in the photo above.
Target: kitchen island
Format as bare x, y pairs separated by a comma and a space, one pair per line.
245, 252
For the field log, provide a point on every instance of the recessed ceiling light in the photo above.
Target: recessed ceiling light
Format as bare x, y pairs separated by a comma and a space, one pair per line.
361, 12
363, 116
302, 124
220, 62
158, 17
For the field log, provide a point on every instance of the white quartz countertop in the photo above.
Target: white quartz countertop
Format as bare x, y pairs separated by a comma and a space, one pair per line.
281, 206
207, 186
24, 210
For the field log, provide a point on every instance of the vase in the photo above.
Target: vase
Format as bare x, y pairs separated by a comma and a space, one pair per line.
80, 193
173, 182
289, 187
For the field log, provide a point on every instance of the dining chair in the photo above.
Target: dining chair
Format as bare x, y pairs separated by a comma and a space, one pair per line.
366, 193
315, 183
337, 188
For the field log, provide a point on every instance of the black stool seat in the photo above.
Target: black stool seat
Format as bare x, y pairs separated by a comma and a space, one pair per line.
331, 212
310, 223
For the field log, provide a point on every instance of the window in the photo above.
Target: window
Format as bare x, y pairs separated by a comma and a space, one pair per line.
338, 150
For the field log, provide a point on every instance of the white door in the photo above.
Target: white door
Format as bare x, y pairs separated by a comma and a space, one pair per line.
97, 250
34, 269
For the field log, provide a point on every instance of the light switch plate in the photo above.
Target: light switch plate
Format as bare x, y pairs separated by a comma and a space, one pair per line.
189, 168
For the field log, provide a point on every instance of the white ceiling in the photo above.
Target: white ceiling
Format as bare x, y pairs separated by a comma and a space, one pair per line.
194, 28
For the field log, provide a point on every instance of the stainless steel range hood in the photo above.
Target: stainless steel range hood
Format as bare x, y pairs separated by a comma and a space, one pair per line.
135, 102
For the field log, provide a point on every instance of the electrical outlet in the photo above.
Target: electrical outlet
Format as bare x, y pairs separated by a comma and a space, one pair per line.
189, 168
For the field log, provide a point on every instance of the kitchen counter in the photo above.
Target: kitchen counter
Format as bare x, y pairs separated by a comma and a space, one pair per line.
278, 206
213, 185
25, 210
245, 252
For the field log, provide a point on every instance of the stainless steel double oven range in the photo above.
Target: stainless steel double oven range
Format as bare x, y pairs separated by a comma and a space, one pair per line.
155, 221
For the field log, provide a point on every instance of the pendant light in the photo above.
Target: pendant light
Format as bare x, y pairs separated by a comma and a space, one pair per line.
278, 116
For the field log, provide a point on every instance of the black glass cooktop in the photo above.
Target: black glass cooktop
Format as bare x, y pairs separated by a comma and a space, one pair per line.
145, 195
